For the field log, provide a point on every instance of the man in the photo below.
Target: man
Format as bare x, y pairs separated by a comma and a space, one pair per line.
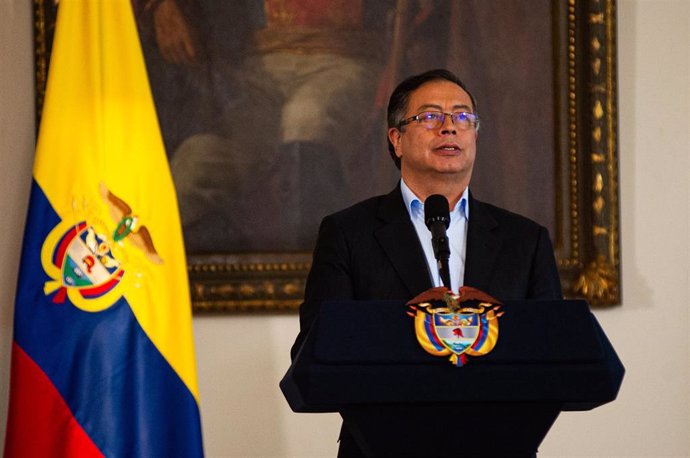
277, 84
381, 248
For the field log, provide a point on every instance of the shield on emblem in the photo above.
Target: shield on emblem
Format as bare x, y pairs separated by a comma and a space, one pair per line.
87, 262
457, 331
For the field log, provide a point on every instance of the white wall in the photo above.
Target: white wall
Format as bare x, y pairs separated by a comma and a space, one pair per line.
650, 332
16, 156
241, 358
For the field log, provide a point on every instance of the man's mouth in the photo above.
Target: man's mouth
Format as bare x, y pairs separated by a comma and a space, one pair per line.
448, 147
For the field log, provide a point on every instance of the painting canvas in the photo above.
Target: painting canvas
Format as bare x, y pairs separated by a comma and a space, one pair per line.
273, 115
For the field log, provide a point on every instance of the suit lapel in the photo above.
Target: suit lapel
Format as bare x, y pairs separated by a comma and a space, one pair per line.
483, 246
399, 241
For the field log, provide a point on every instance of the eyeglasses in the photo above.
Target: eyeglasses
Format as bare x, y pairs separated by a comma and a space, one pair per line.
435, 119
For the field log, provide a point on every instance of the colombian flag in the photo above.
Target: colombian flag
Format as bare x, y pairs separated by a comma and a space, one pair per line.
102, 358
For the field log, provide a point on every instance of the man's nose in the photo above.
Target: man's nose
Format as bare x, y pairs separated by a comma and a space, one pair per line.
448, 127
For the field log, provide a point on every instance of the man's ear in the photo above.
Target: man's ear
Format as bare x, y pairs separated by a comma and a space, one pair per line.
394, 135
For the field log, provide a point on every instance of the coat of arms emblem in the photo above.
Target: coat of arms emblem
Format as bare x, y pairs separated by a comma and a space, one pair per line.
459, 325
86, 260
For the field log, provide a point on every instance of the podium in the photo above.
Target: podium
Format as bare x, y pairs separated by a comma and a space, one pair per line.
362, 359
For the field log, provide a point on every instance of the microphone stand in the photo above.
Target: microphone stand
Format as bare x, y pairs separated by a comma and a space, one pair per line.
437, 219
439, 240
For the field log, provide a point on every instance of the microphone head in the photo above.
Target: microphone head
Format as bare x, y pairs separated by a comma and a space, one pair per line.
436, 209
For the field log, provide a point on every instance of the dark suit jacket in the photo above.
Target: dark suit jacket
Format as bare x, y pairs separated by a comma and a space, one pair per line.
371, 251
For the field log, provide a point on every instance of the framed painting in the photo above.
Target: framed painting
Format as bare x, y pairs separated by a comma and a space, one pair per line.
273, 115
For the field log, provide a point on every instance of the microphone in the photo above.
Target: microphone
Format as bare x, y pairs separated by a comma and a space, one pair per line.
437, 219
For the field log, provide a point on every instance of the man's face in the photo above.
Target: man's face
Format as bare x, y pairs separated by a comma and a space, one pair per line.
443, 153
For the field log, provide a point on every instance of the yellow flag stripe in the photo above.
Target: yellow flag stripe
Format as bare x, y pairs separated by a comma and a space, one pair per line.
99, 126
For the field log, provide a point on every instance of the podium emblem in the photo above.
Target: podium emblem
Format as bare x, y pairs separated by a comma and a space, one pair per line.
456, 325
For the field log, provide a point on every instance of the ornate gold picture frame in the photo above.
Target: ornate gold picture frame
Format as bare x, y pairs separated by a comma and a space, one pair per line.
583, 208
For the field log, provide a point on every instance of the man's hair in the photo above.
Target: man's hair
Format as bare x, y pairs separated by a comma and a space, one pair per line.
397, 104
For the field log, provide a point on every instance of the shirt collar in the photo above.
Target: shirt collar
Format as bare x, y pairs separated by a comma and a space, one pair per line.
415, 207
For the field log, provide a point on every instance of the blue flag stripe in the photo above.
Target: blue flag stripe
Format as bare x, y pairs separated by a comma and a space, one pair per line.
121, 390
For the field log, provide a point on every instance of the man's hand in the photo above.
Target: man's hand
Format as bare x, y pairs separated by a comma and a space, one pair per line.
176, 40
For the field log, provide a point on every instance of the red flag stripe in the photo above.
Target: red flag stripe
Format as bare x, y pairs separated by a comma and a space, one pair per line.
39, 422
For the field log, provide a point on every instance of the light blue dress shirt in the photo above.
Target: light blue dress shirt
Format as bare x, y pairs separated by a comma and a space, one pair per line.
456, 232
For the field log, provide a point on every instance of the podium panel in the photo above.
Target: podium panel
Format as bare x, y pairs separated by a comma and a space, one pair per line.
362, 359
452, 429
